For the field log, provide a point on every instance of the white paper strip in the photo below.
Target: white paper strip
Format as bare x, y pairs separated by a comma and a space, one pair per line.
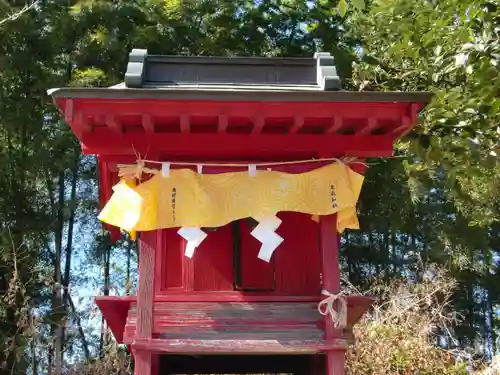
194, 237
265, 233
252, 170
165, 169
199, 168
271, 243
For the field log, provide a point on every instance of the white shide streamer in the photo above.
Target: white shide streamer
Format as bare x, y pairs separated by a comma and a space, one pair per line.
265, 232
194, 237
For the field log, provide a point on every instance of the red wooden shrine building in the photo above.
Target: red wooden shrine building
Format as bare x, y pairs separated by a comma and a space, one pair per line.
226, 307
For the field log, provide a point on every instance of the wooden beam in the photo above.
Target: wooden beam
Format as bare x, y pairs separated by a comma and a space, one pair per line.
337, 122
240, 346
243, 146
298, 123
402, 130
79, 124
113, 124
68, 111
247, 109
145, 297
143, 362
258, 124
183, 296
184, 120
148, 123
223, 122
372, 125
329, 243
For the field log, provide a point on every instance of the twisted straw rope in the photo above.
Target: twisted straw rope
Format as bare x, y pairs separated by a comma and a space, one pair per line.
136, 170
325, 307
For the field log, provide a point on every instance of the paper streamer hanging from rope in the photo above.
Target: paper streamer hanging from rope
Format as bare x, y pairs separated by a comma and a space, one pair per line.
214, 200
136, 170
194, 237
265, 233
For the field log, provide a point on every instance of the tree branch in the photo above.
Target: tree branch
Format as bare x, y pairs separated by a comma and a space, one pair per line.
18, 14
78, 321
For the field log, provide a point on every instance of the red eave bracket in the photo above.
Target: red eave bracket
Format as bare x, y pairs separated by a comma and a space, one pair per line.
212, 128
115, 311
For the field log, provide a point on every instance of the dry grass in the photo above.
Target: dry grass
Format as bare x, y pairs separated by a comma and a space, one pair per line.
492, 369
399, 336
115, 362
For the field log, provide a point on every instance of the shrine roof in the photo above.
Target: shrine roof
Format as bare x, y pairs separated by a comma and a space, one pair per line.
236, 107
309, 79
260, 93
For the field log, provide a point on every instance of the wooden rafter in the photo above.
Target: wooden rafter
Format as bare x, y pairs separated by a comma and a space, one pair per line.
298, 123
240, 145
112, 123
148, 123
222, 123
185, 123
259, 123
372, 125
335, 126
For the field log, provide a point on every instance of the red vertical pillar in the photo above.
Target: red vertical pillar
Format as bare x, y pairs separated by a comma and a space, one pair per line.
329, 242
145, 296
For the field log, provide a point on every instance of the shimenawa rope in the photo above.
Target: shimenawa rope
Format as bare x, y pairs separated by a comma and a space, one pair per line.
136, 170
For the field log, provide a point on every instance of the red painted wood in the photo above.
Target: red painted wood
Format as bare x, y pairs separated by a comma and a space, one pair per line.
66, 106
145, 293
259, 122
167, 112
335, 362
148, 123
145, 296
115, 309
240, 346
335, 125
106, 182
160, 270
297, 259
169, 261
256, 274
298, 123
329, 242
195, 309
232, 321
155, 364
223, 122
187, 270
238, 146
355, 302
143, 361
213, 261
115, 313
186, 296
212, 267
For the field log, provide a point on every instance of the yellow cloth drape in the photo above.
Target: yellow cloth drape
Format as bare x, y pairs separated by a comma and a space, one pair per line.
186, 198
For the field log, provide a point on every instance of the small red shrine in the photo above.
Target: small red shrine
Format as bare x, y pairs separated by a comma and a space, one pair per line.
238, 175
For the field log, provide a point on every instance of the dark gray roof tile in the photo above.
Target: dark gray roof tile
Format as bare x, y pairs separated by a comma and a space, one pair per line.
232, 73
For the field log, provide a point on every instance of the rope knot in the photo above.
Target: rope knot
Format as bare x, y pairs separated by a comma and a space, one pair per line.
326, 307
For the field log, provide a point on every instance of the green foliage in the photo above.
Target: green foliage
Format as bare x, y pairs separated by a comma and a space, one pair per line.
450, 48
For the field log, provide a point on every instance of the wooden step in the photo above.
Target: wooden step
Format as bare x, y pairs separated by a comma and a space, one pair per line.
239, 346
